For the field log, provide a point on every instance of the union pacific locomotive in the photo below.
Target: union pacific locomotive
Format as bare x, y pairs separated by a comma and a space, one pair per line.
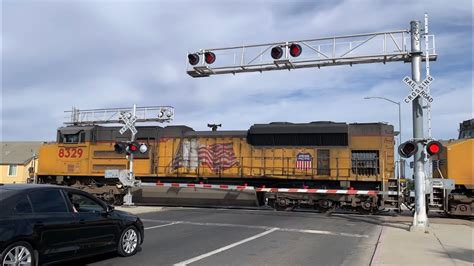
318, 155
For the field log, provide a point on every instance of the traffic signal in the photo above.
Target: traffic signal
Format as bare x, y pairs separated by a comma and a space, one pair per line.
433, 147
407, 149
193, 59
276, 52
295, 50
209, 57
133, 147
120, 147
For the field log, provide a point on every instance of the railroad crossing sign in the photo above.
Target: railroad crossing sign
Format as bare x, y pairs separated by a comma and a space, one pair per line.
129, 121
418, 89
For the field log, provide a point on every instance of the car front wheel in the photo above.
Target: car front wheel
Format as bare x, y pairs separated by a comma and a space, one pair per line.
129, 242
19, 253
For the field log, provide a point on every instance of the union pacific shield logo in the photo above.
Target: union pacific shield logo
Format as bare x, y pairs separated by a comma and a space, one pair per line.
304, 161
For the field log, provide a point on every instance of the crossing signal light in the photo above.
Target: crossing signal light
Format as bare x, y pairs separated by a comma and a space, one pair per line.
133, 148
433, 147
209, 57
295, 50
276, 52
193, 59
407, 149
120, 147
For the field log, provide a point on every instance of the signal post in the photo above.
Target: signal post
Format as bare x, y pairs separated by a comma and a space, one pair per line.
285, 56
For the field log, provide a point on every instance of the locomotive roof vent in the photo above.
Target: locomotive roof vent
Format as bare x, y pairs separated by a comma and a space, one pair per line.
299, 134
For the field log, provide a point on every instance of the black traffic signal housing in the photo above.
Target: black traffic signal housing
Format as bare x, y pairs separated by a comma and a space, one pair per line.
209, 57
433, 147
120, 147
276, 52
407, 149
193, 59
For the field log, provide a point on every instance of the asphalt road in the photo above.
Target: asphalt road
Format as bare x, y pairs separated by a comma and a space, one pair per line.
250, 237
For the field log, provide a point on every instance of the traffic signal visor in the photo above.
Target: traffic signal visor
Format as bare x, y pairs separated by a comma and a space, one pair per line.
433, 147
407, 149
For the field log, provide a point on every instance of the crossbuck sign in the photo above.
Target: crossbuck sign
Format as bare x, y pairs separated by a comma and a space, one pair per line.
418, 89
129, 121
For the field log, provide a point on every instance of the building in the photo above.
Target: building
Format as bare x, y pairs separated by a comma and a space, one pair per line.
18, 161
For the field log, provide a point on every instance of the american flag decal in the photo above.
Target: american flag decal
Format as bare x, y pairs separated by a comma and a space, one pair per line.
217, 157
304, 161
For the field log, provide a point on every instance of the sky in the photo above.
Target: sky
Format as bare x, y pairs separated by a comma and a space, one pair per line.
104, 54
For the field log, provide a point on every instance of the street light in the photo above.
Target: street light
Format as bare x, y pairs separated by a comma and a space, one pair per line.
399, 137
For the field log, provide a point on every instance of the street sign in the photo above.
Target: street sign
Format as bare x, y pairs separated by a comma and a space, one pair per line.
129, 121
420, 89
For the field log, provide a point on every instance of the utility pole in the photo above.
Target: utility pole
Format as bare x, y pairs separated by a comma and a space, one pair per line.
420, 219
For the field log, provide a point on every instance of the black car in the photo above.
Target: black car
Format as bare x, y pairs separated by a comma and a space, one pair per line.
40, 224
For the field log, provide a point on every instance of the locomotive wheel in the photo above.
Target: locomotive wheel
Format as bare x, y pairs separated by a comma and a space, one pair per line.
282, 204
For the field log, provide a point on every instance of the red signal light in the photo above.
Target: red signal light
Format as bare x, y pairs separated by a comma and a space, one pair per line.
295, 50
193, 59
133, 148
209, 57
276, 52
433, 147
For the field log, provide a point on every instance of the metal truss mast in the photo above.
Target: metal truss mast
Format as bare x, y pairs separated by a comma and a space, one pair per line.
113, 115
379, 47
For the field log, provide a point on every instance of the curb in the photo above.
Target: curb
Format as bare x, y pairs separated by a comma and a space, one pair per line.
375, 261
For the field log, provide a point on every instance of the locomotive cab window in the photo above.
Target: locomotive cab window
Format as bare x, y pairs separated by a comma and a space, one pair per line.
365, 162
78, 137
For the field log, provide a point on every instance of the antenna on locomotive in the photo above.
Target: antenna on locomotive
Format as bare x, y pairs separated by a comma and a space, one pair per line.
214, 127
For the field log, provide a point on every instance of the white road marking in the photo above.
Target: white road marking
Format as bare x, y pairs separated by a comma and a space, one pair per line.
162, 225
306, 231
200, 257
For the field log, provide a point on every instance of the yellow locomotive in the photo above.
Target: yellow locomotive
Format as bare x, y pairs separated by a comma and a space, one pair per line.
456, 162
324, 155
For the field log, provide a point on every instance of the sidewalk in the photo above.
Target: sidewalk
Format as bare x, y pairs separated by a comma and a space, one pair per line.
139, 209
445, 244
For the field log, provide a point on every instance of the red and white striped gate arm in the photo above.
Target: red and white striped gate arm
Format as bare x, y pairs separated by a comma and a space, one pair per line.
208, 186
319, 191
273, 190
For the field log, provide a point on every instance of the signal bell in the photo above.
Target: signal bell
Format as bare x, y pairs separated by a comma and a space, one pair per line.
434, 147
407, 149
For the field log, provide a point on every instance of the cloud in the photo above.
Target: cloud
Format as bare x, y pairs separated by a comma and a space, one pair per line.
113, 54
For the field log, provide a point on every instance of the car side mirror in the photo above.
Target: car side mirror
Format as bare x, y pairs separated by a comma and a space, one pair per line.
110, 209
